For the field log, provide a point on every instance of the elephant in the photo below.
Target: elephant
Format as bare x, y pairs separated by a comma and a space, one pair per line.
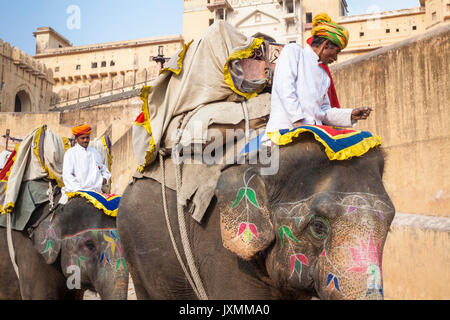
315, 229
73, 249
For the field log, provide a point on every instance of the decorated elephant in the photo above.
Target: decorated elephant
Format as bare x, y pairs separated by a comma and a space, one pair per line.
74, 249
316, 228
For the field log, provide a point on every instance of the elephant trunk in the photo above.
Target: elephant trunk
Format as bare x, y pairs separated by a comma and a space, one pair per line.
351, 268
115, 289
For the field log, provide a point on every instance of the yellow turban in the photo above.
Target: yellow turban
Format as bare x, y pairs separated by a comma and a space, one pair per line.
324, 27
81, 130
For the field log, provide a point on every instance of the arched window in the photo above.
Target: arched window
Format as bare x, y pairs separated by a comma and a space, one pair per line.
22, 102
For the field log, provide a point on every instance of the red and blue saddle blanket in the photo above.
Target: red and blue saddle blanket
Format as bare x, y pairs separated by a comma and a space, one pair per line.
108, 203
339, 143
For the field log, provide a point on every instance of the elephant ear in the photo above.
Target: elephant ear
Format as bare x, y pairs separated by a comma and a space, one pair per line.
245, 223
47, 240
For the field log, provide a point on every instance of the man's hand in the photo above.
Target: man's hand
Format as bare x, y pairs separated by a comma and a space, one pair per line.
104, 181
361, 113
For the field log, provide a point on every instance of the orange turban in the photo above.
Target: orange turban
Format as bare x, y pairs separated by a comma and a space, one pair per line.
80, 130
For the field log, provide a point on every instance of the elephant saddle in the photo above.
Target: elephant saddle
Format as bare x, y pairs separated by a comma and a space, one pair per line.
107, 203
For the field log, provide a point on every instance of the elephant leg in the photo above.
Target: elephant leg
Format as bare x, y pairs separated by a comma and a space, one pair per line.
146, 244
9, 284
38, 280
139, 288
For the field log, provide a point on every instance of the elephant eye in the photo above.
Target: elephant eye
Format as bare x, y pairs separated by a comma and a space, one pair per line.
90, 245
319, 227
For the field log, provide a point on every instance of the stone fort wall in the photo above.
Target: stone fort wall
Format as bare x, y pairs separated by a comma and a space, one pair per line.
407, 86
25, 84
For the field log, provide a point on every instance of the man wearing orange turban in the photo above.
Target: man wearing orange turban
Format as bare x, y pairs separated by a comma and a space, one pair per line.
83, 169
300, 84
81, 130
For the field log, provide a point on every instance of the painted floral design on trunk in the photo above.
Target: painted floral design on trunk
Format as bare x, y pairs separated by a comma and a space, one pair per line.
50, 239
297, 261
247, 230
367, 259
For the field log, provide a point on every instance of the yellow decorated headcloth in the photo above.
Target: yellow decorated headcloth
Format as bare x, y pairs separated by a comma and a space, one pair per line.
324, 27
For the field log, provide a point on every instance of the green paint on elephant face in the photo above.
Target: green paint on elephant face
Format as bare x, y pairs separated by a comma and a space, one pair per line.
121, 264
80, 261
285, 230
249, 194
319, 227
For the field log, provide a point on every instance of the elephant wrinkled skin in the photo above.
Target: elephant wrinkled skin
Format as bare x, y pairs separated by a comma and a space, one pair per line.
316, 228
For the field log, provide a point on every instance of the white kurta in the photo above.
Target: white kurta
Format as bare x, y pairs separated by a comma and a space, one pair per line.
83, 170
300, 92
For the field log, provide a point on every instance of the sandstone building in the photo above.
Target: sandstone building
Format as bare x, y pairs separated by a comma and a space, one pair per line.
26, 85
81, 72
291, 20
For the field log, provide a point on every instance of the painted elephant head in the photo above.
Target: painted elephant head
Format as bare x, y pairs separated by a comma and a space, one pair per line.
89, 250
320, 225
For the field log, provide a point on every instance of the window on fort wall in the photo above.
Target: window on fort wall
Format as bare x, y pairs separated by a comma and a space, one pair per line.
112, 63
56, 69
78, 67
309, 17
290, 6
361, 34
388, 30
220, 14
414, 27
103, 64
94, 65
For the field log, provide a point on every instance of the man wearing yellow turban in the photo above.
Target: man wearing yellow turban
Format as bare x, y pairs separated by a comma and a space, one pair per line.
83, 169
300, 85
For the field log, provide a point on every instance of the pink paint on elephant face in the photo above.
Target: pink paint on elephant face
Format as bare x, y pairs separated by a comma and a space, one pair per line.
253, 229
242, 228
365, 256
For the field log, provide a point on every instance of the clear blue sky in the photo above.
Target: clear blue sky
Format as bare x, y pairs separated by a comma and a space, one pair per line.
115, 20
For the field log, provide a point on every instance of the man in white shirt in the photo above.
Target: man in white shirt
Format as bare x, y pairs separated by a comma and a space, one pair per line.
300, 84
83, 169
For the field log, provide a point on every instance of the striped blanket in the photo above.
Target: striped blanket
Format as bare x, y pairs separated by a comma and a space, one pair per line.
340, 144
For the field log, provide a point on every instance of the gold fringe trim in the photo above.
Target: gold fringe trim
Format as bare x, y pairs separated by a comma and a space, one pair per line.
108, 152
66, 143
242, 54
110, 158
94, 202
51, 175
8, 209
9, 206
356, 150
179, 61
150, 152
